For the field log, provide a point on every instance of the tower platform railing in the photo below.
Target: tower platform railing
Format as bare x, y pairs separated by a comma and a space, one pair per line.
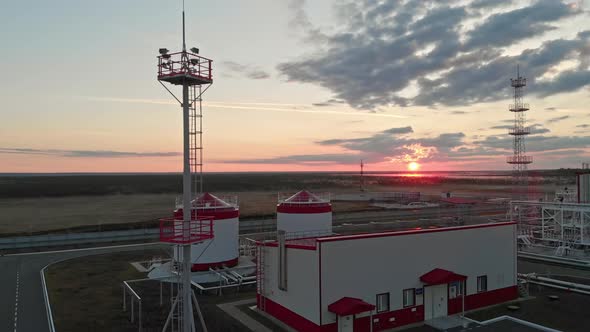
520, 131
521, 107
192, 66
518, 82
177, 231
519, 159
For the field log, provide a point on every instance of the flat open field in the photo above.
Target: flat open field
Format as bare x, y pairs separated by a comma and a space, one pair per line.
38, 204
86, 295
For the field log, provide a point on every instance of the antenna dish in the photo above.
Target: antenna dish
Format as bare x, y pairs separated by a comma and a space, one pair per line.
195, 50
163, 51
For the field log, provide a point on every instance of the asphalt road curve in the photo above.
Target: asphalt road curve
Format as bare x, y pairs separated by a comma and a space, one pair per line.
22, 306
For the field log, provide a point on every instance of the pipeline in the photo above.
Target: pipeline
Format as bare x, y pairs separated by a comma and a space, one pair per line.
559, 284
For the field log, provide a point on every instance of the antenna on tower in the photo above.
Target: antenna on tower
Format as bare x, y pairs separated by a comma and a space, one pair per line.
361, 183
183, 30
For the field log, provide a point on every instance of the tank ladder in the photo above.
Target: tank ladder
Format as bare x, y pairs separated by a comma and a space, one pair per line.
196, 138
260, 277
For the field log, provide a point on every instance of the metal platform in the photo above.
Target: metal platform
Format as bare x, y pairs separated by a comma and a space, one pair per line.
184, 67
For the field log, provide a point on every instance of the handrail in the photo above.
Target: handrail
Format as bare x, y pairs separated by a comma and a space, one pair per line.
184, 63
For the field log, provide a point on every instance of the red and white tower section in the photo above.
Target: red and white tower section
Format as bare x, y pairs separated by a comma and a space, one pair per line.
304, 214
519, 159
222, 250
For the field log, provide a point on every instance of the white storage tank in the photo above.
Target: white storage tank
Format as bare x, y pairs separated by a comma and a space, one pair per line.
304, 214
222, 250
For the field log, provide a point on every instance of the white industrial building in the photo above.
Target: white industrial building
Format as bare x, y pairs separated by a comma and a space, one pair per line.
387, 280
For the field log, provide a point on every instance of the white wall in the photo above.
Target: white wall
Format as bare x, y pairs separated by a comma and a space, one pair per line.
363, 268
308, 222
302, 294
223, 246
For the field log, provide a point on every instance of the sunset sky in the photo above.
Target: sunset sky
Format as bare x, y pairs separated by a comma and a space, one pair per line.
298, 85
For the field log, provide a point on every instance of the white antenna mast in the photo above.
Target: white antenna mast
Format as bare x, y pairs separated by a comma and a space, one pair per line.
190, 71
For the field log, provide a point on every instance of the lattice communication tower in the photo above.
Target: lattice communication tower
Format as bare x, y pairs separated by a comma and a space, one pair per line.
519, 160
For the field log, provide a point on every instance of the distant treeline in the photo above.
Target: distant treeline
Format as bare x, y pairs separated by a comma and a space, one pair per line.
77, 185
105, 184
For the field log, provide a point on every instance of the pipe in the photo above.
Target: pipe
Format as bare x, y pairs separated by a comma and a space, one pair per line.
555, 281
560, 287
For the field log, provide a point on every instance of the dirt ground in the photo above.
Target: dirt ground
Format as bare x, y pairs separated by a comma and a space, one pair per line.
86, 293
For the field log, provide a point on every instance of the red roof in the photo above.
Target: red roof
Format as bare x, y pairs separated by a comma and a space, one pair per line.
209, 205
304, 196
349, 306
208, 200
440, 276
304, 202
459, 200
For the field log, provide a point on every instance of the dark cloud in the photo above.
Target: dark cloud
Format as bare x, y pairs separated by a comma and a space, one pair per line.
324, 104
87, 153
504, 127
502, 29
583, 126
247, 71
487, 4
534, 129
537, 143
538, 129
385, 47
550, 108
401, 145
557, 119
318, 159
458, 112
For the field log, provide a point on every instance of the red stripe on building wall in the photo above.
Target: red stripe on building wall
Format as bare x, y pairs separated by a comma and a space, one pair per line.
391, 319
301, 209
496, 296
400, 233
288, 317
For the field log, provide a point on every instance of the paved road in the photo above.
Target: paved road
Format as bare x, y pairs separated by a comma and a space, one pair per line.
22, 306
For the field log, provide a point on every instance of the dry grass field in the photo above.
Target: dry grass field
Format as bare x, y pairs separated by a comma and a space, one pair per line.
37, 205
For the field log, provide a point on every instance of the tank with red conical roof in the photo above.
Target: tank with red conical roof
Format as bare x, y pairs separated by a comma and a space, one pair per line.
222, 250
304, 214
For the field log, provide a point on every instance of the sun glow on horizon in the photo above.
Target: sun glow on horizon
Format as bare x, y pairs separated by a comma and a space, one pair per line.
413, 166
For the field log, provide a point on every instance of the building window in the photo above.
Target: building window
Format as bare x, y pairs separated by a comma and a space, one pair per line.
383, 302
455, 289
482, 283
409, 297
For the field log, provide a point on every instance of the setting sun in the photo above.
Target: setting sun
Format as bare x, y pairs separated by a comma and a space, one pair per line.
413, 166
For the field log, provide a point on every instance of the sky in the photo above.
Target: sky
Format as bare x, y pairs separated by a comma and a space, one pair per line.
298, 85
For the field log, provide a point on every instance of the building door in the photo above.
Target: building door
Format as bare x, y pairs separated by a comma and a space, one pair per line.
435, 301
345, 323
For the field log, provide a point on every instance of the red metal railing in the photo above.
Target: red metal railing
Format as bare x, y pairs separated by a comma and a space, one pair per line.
176, 64
178, 231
